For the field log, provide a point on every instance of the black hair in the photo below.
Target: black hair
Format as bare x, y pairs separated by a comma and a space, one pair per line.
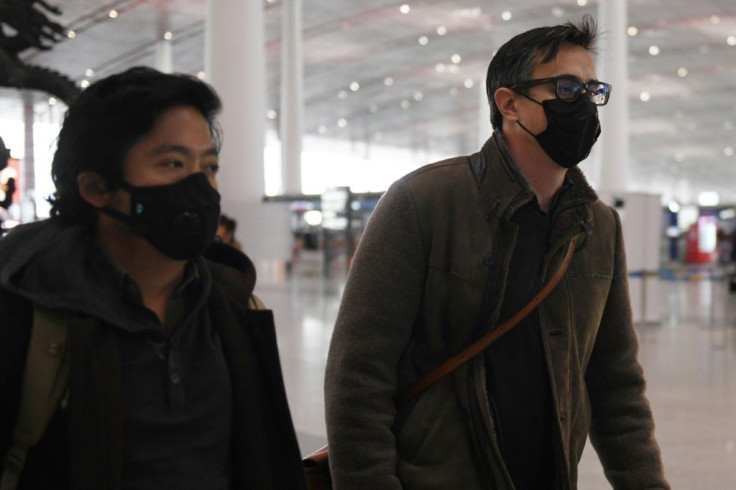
229, 223
109, 118
516, 60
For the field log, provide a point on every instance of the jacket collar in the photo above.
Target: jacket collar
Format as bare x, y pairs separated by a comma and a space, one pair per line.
505, 188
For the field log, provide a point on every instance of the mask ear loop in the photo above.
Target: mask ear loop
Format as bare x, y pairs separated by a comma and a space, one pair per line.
128, 219
519, 121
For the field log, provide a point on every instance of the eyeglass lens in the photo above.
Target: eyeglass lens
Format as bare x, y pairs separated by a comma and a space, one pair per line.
570, 90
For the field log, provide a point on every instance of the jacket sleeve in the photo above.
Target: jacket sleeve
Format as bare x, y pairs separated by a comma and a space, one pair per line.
379, 306
622, 428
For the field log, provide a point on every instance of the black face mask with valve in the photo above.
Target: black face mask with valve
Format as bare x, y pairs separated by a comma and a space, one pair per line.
179, 219
572, 130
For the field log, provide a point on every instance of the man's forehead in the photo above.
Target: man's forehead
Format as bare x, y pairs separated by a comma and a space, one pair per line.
570, 60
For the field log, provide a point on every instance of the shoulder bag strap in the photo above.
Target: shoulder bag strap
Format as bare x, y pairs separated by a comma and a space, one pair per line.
479, 345
45, 383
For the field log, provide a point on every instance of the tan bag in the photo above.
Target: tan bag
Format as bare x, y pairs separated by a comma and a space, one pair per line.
316, 465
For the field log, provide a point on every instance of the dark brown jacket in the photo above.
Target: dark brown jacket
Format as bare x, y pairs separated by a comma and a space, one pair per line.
427, 280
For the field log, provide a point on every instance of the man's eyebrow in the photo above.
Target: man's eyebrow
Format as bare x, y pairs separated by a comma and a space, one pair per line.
159, 150
575, 77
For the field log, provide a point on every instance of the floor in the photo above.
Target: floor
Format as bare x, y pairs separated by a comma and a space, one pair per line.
689, 359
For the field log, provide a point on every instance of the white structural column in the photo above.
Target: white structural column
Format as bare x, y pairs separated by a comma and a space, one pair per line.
29, 159
28, 164
163, 59
641, 214
235, 66
292, 99
612, 68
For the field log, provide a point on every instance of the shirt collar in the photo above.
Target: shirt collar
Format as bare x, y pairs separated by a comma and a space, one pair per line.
125, 285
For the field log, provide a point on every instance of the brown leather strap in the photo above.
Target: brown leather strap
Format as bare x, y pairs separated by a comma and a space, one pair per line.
479, 345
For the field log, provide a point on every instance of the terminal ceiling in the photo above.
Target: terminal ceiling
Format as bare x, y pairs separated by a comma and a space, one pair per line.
376, 75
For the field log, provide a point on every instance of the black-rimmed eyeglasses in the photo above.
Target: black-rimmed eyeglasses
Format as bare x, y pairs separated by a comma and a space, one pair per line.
568, 89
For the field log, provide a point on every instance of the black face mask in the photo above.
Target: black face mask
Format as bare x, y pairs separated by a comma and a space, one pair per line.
572, 130
179, 219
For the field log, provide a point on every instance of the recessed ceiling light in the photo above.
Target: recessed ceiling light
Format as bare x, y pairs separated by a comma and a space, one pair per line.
113, 14
442, 30
708, 198
557, 12
168, 35
506, 15
468, 83
440, 67
388, 81
582, 3
645, 96
469, 13
89, 72
632, 31
52, 101
654, 50
682, 72
201, 75
423, 40
271, 114
405, 8
731, 40
71, 34
405, 104
342, 122
456, 58
418, 96
84, 83
728, 151
354, 86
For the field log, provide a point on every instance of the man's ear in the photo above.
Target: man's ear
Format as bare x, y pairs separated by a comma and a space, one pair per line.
505, 99
93, 189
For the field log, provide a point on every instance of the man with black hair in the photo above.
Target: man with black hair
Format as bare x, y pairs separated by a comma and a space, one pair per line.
174, 377
456, 248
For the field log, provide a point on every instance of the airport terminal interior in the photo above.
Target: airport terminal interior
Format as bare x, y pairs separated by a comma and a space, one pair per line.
378, 88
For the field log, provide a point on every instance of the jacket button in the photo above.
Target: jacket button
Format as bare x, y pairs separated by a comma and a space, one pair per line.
487, 259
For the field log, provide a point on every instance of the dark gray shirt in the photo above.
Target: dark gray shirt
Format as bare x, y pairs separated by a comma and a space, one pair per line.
177, 399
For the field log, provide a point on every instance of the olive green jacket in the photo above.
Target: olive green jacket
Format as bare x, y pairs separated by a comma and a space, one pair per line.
426, 281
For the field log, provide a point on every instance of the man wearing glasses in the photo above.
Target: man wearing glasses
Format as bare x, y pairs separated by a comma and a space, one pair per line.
458, 247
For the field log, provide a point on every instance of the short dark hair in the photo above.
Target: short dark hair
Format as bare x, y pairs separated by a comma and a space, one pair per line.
229, 223
109, 118
516, 60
